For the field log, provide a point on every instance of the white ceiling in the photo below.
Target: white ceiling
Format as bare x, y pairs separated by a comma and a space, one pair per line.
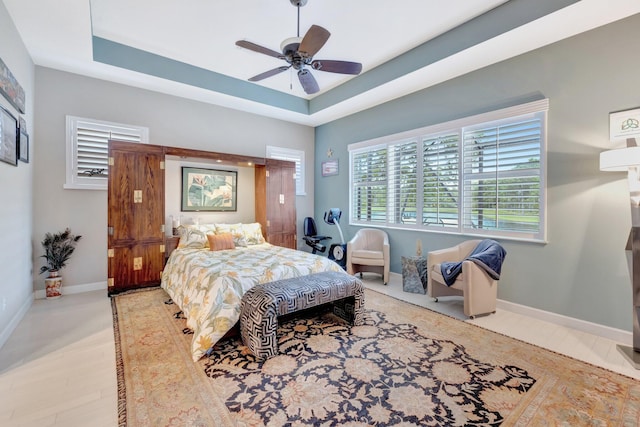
202, 33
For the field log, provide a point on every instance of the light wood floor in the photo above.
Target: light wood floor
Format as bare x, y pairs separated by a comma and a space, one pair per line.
58, 367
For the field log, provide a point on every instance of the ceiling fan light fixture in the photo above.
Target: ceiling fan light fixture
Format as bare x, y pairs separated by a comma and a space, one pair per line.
290, 45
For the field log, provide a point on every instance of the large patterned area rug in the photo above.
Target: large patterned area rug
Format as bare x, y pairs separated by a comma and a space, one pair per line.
407, 366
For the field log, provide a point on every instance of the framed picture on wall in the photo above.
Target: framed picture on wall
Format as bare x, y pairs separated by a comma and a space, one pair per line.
624, 124
10, 88
8, 137
330, 167
23, 145
208, 190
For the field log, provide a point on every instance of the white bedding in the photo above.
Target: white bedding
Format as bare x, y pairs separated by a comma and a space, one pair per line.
208, 285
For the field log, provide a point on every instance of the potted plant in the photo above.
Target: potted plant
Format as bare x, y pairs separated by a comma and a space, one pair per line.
58, 248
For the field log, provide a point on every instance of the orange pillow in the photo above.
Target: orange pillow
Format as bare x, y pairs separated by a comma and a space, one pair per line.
220, 242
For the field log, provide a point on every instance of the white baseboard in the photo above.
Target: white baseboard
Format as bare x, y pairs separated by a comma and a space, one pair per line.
607, 332
68, 290
617, 335
13, 323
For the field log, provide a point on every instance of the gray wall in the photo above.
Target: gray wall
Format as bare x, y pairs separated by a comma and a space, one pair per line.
172, 121
582, 271
16, 190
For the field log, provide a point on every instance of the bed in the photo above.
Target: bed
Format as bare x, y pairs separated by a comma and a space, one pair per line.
208, 285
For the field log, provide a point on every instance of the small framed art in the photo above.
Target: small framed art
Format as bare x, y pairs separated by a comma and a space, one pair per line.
624, 124
8, 137
23, 145
10, 88
330, 167
208, 190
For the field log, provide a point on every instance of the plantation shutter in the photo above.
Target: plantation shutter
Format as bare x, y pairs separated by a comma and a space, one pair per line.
369, 180
483, 175
88, 146
441, 180
502, 176
92, 143
403, 182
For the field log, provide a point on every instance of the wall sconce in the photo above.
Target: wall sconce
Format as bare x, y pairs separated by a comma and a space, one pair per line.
626, 125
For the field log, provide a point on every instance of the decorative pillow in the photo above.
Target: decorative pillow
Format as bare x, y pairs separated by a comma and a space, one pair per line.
253, 233
220, 242
191, 237
235, 230
207, 228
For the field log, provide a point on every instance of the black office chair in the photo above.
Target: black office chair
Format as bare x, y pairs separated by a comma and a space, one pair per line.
311, 237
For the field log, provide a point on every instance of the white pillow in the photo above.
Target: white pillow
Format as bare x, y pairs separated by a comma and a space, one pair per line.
195, 236
253, 233
207, 228
236, 231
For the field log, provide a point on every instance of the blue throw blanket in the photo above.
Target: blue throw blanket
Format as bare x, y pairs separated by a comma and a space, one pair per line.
488, 255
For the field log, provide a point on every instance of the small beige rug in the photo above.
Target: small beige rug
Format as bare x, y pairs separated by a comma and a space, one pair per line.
408, 366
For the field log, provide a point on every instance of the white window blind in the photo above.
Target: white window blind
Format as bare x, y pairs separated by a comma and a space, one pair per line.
369, 189
290, 155
482, 175
440, 180
87, 150
502, 175
403, 163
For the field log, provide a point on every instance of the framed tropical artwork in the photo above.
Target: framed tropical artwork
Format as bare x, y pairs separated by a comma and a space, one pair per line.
208, 190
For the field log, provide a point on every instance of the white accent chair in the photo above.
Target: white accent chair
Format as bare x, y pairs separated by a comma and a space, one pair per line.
480, 291
369, 251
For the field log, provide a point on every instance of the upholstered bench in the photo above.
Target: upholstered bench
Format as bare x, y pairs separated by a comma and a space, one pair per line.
262, 304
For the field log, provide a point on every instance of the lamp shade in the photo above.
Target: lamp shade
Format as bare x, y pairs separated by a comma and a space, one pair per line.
620, 160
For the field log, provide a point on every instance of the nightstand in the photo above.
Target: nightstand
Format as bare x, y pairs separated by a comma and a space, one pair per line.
171, 242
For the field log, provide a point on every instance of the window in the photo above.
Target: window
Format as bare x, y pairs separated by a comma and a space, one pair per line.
481, 175
290, 155
369, 186
440, 178
501, 173
87, 150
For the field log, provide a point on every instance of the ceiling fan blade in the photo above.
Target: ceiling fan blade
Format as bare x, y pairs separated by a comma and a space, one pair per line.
342, 67
308, 82
269, 73
313, 41
257, 48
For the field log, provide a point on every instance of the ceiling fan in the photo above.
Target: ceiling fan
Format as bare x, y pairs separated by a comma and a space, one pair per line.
298, 53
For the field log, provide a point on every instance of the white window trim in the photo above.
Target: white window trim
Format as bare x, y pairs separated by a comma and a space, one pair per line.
541, 106
291, 155
75, 182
